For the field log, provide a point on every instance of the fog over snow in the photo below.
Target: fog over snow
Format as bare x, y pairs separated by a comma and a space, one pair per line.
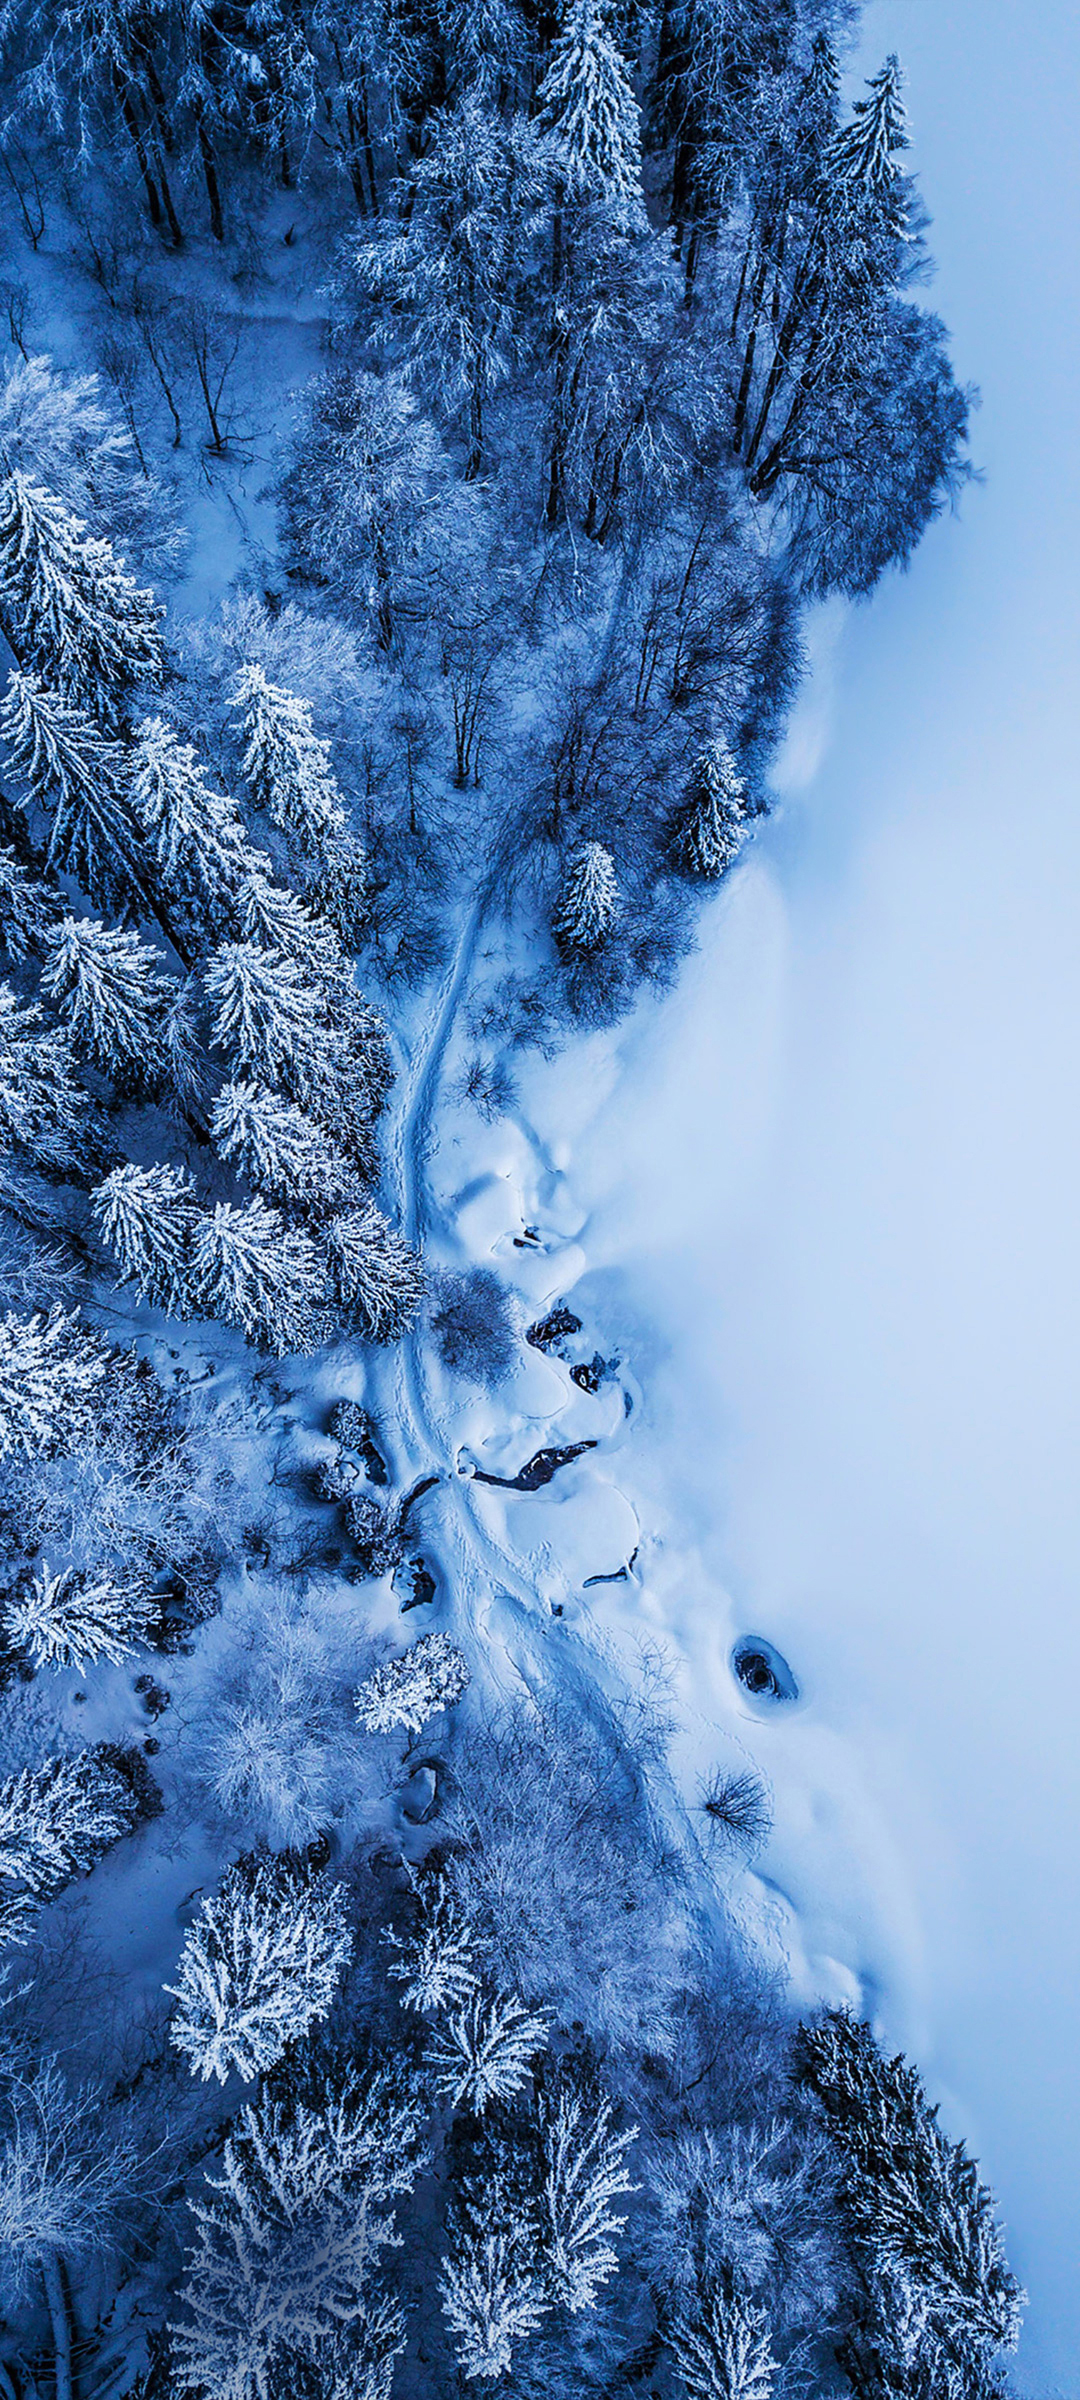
841, 1172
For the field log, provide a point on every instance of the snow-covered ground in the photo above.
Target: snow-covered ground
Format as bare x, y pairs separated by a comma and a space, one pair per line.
824, 1203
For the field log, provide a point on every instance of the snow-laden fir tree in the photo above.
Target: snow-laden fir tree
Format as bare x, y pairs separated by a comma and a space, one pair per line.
72, 1619
148, 1215
317, 1039
28, 908
588, 904
709, 826
587, 103
865, 153
378, 1278
200, 841
937, 2287
260, 1275
282, 1151
584, 2169
108, 988
365, 460
339, 889
287, 2247
405, 1692
721, 2346
436, 1963
46, 1115
78, 779
359, 2364
485, 2051
274, 917
492, 2298
51, 1371
285, 764
260, 1965
70, 610
56, 1821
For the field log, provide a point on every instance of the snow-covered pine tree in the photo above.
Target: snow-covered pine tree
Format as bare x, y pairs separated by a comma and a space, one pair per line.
359, 2364
28, 908
271, 915
286, 2251
340, 889
865, 154
281, 1151
286, 765
50, 1373
708, 827
270, 1018
79, 781
200, 841
435, 1964
922, 2226
108, 989
588, 904
378, 1278
587, 103
404, 1692
584, 2170
71, 1619
45, 1113
147, 1216
262, 1276
721, 2346
70, 610
260, 1965
485, 2051
56, 1821
492, 2297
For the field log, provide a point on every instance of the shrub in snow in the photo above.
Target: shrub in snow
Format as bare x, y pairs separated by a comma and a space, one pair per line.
721, 2346
709, 826
376, 1531
485, 2052
435, 1965
583, 2170
275, 1746
69, 1620
378, 1279
285, 2253
588, 903
50, 1370
260, 1966
738, 1810
147, 1216
473, 1326
285, 765
407, 1691
492, 2297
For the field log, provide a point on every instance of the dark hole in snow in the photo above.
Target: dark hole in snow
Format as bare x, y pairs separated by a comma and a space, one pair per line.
591, 1373
762, 1671
422, 1585
538, 1470
556, 1327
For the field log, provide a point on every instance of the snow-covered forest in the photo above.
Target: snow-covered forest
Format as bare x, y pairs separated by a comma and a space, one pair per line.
423, 430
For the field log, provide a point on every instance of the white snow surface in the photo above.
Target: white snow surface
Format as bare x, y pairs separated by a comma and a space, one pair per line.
821, 1205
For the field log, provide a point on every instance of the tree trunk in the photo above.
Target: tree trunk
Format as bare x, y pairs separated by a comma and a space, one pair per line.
60, 2320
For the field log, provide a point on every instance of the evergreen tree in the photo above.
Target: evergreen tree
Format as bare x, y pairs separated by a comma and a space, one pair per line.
491, 2296
201, 843
44, 1112
281, 1151
28, 908
79, 781
270, 915
407, 1691
721, 2347
588, 903
485, 2052
260, 1965
50, 1374
271, 1018
285, 2254
365, 465
583, 2171
69, 609
865, 154
708, 828
56, 1821
435, 1965
107, 988
285, 764
248, 1267
378, 1279
147, 1216
587, 102
69, 1620
340, 890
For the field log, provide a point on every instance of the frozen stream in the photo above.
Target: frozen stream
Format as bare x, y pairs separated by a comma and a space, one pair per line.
837, 1182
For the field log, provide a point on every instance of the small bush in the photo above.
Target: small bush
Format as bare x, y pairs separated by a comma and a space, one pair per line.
738, 1809
489, 1085
376, 1532
473, 1326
